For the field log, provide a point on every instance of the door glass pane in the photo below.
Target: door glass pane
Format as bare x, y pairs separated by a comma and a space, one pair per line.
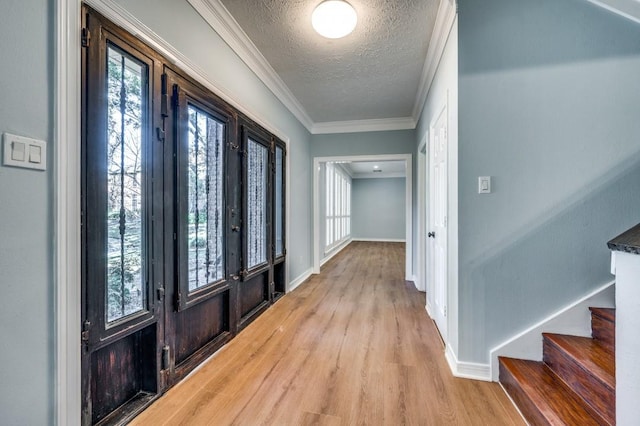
278, 200
127, 97
256, 204
205, 199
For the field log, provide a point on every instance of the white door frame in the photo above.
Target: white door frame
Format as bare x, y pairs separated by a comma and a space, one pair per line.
421, 249
66, 176
407, 158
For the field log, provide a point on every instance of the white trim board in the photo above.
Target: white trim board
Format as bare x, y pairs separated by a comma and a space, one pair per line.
299, 280
444, 22
126, 20
219, 18
334, 251
66, 175
223, 23
380, 240
422, 211
629, 9
429, 309
467, 370
357, 126
408, 158
395, 175
573, 319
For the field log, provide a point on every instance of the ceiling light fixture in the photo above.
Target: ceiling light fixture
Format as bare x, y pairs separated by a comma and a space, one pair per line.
334, 19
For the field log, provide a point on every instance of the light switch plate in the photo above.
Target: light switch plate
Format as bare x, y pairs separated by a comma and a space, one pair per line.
28, 153
484, 184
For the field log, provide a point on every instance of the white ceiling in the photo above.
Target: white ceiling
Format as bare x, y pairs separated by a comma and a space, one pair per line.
365, 169
373, 73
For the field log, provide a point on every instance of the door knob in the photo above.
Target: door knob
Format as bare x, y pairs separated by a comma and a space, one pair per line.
431, 235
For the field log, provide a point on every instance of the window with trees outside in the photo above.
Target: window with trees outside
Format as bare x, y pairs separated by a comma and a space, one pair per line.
338, 205
126, 85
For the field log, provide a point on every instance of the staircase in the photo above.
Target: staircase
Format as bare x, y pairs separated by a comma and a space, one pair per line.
575, 382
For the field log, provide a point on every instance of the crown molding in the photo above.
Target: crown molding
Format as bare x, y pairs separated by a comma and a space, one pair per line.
219, 18
629, 9
444, 21
223, 23
124, 19
356, 126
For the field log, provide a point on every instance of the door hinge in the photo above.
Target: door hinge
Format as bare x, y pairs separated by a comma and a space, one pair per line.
86, 37
160, 291
445, 311
166, 357
164, 100
85, 331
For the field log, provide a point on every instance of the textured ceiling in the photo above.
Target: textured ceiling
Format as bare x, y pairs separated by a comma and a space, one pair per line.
373, 73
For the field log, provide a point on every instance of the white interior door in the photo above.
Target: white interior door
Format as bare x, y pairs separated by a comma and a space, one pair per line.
438, 220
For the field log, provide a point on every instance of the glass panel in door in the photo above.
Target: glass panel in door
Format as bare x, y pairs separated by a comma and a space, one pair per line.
126, 97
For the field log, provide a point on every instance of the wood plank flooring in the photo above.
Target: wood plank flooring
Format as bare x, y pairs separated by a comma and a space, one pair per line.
351, 346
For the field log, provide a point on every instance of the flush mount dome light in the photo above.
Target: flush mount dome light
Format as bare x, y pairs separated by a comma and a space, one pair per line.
334, 18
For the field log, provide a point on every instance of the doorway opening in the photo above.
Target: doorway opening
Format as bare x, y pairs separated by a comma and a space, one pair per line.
318, 180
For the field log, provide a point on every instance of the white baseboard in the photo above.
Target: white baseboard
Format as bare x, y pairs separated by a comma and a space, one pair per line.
293, 284
429, 309
467, 370
334, 251
574, 319
380, 240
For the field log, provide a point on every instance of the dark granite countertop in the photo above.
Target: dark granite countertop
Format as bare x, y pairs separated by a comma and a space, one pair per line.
628, 241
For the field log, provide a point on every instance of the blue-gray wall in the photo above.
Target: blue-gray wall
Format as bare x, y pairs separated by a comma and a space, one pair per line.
26, 305
378, 209
363, 143
549, 95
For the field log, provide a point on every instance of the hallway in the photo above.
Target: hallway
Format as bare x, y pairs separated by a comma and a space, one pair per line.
352, 345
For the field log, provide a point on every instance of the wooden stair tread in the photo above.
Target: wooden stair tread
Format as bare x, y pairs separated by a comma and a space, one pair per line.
554, 402
590, 354
606, 313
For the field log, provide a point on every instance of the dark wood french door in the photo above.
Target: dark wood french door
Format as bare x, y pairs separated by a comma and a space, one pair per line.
183, 223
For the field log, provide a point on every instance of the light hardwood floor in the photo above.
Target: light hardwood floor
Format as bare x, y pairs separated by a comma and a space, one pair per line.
351, 346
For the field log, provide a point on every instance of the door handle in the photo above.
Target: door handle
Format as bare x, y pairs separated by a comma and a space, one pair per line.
431, 235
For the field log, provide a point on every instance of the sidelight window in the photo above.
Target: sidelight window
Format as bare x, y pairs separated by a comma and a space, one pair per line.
279, 202
257, 185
